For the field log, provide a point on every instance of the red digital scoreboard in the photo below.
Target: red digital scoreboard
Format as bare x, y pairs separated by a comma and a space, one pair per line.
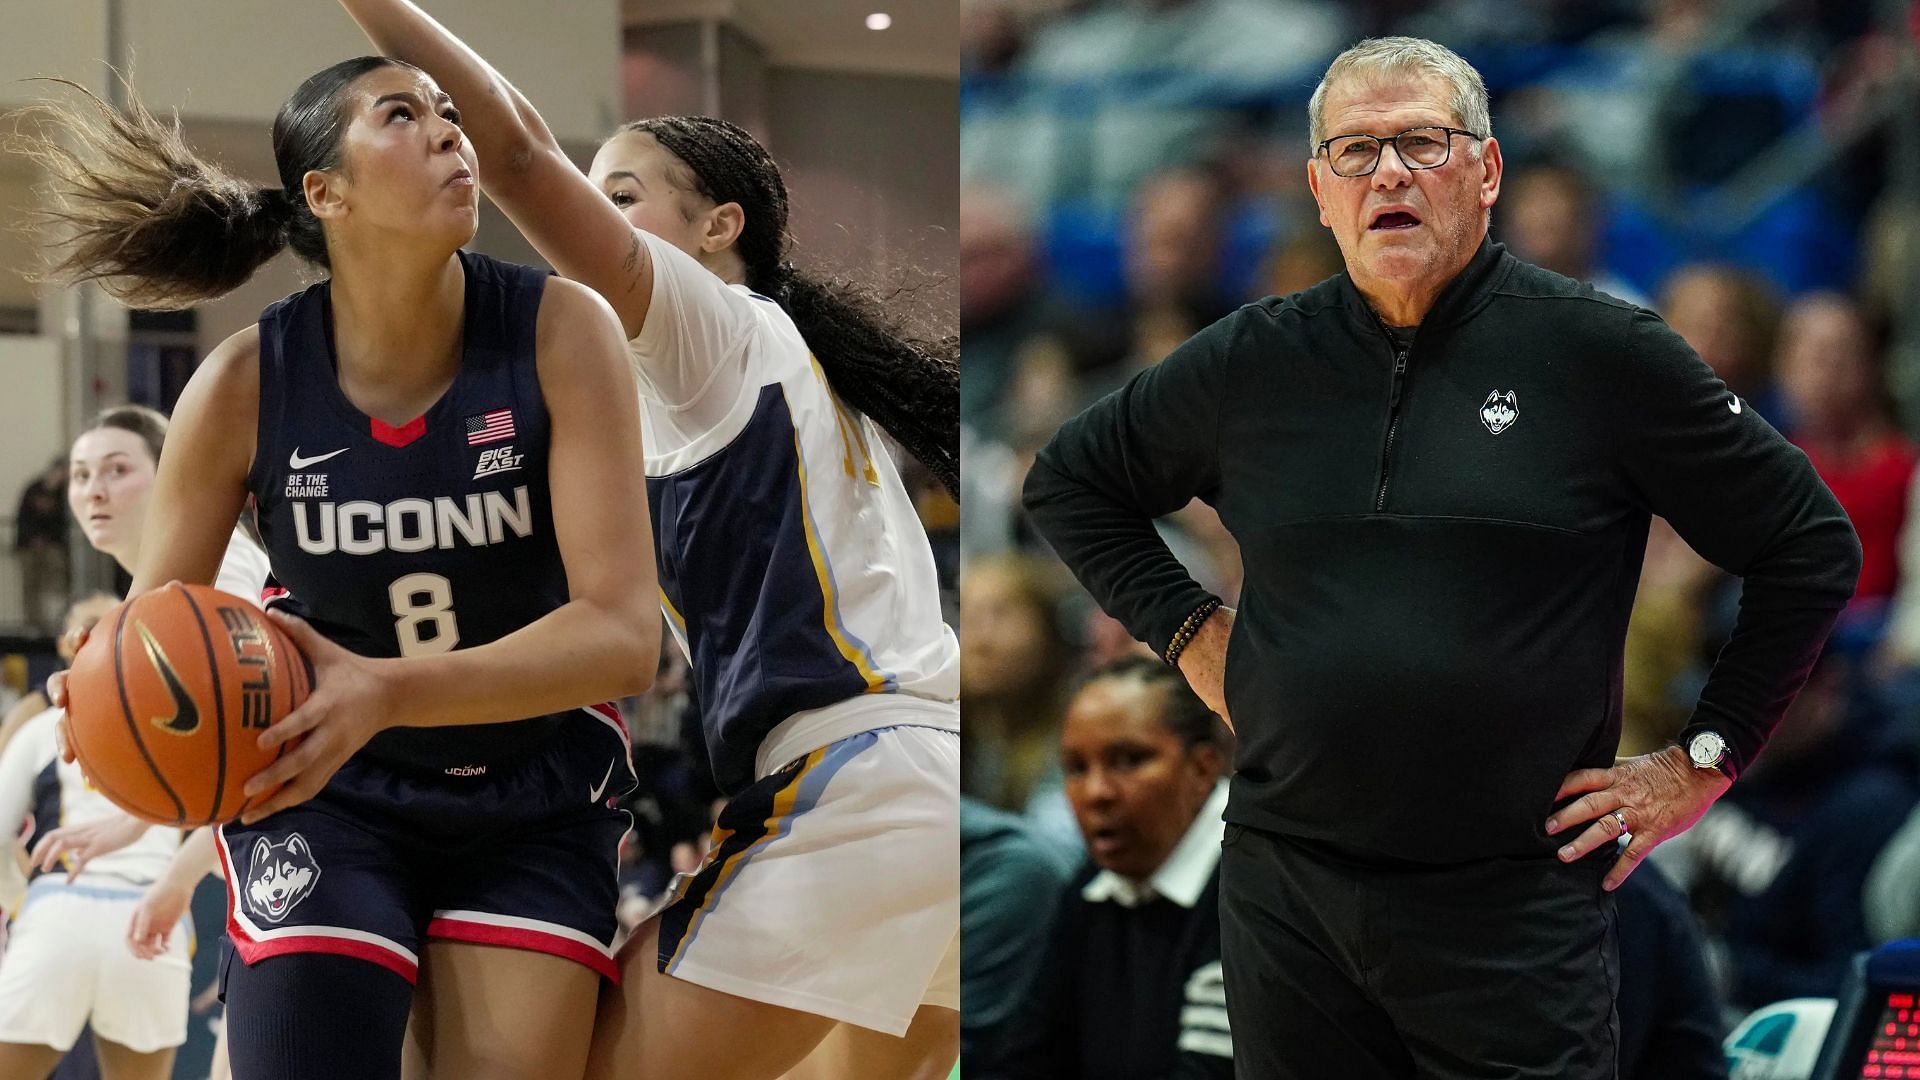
1894, 1052
1875, 1034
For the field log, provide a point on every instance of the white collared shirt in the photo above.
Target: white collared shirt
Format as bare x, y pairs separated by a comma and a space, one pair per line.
1185, 874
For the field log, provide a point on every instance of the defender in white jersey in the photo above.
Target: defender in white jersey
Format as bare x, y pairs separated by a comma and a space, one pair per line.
66, 962
826, 678
66, 959
795, 574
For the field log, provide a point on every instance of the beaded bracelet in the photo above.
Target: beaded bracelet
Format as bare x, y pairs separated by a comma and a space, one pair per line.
1184, 636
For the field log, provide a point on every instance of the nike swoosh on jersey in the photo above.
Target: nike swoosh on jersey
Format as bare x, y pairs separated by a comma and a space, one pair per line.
593, 794
298, 462
186, 715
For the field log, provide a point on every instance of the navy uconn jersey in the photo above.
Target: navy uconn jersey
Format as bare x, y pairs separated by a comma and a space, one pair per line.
418, 539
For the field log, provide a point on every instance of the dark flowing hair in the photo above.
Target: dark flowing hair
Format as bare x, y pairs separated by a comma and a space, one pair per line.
909, 385
155, 224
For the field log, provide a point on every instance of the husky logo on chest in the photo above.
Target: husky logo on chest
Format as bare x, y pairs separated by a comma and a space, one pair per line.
280, 876
1500, 411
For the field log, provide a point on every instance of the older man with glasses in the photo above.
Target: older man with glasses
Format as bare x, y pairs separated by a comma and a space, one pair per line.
1440, 467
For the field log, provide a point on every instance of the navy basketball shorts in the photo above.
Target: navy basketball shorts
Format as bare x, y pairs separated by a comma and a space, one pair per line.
521, 855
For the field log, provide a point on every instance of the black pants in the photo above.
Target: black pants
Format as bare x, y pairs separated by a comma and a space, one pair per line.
1502, 969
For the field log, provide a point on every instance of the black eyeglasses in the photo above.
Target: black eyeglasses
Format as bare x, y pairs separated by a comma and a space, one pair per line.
1418, 147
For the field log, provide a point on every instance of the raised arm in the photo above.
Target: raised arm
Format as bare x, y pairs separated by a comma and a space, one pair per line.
522, 167
1141, 452
1750, 503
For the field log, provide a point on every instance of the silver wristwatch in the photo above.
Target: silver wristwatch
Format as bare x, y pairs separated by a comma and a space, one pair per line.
1707, 749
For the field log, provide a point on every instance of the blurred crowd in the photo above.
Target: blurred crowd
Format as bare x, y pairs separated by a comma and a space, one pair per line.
1135, 169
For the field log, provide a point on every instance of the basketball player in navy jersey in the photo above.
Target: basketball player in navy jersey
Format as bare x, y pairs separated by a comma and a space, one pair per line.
827, 914
446, 456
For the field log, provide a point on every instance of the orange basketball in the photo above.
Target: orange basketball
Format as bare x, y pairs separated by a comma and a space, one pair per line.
167, 700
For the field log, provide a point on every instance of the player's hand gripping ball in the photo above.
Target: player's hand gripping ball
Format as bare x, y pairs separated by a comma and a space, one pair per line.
167, 700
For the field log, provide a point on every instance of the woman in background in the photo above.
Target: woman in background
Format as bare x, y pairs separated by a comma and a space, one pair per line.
66, 962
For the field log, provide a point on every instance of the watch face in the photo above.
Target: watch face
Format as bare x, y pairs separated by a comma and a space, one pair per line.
1706, 748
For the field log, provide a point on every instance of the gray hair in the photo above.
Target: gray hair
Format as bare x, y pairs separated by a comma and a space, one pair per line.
1377, 60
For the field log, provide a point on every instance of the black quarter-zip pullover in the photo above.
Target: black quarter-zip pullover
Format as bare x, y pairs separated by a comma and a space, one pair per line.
1441, 545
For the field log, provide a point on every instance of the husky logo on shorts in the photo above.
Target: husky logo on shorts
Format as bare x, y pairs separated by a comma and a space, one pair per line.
1500, 411
280, 876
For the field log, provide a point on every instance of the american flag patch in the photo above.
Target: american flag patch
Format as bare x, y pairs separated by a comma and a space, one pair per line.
490, 427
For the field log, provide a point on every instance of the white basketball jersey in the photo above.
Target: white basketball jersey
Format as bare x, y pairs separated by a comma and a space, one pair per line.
35, 783
794, 570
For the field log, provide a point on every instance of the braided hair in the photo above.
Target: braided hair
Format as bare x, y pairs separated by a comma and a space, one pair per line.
910, 386
1182, 711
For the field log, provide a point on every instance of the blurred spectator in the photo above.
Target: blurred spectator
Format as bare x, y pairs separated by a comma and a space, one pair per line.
1171, 255
1108, 641
81, 616
40, 545
1842, 414
1547, 216
1173, 263
992, 37
1664, 667
1131, 988
1007, 313
1670, 1012
1305, 259
1730, 318
1777, 867
1015, 667
989, 476
1088, 133
1890, 278
1892, 895
1010, 888
1505, 22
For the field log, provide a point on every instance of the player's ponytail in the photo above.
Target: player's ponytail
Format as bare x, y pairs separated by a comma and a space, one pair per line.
909, 386
134, 208
147, 218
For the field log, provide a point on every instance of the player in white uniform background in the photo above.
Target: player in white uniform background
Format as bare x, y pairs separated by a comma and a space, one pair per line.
794, 572
67, 961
